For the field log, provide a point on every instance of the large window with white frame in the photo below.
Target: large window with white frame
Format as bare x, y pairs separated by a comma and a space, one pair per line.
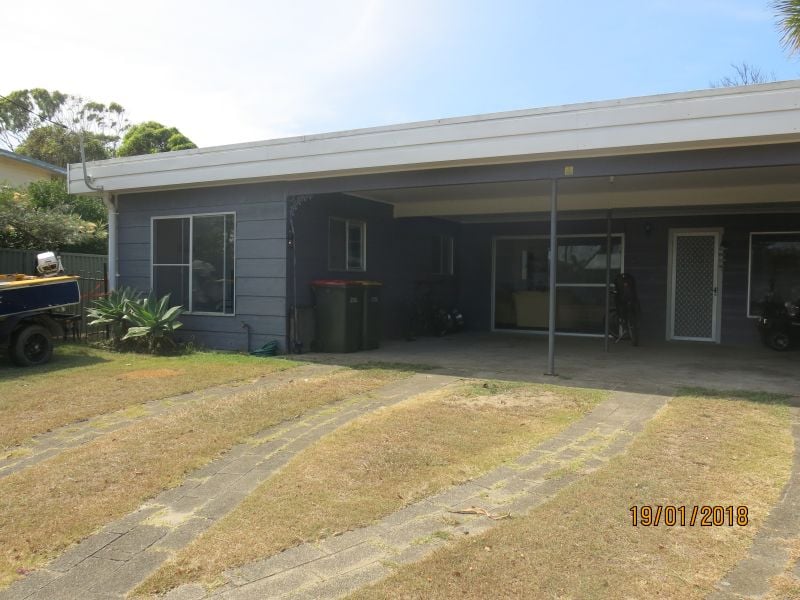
347, 245
193, 261
522, 282
774, 268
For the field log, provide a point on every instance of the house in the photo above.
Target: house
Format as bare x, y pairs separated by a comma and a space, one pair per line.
19, 170
697, 195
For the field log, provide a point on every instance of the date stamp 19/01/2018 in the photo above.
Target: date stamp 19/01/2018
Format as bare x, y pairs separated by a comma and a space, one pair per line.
681, 516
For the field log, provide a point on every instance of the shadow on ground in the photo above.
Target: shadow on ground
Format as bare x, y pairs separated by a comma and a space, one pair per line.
76, 357
582, 362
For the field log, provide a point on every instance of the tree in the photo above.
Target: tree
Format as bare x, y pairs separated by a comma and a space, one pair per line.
46, 125
789, 23
60, 147
746, 74
151, 137
42, 216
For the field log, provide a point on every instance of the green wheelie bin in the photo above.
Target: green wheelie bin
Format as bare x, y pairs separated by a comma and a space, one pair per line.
339, 307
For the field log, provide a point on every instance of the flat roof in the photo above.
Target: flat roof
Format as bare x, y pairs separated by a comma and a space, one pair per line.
715, 118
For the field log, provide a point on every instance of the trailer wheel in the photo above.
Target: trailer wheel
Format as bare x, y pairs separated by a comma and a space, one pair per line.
778, 340
32, 346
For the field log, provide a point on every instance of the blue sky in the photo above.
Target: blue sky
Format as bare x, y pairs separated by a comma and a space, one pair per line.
236, 71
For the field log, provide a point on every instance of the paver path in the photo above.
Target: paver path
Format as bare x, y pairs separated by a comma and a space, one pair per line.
113, 561
45, 445
769, 553
342, 564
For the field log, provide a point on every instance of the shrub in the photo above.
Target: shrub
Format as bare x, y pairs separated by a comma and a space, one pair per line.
111, 310
153, 322
137, 323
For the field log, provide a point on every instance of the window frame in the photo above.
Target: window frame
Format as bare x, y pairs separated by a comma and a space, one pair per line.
622, 236
447, 255
191, 218
750, 263
347, 223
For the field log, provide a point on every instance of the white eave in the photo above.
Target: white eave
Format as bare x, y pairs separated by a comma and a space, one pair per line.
718, 118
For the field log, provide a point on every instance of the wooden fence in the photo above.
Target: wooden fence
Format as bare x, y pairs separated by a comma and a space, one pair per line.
91, 268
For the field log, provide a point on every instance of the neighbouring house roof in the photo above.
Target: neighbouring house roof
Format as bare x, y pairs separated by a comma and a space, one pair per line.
716, 118
32, 162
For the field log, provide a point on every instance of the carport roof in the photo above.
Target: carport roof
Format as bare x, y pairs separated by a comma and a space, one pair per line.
717, 118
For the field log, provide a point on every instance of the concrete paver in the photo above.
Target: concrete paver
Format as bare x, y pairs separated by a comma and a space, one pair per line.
345, 563
769, 552
113, 561
46, 445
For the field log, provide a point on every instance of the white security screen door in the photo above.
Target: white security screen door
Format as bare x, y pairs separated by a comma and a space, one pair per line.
695, 286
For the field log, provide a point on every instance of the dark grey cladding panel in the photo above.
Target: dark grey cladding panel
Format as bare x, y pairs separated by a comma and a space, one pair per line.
137, 251
260, 267
266, 210
275, 248
133, 235
260, 306
137, 283
261, 230
133, 268
261, 286
235, 341
264, 325
260, 211
646, 258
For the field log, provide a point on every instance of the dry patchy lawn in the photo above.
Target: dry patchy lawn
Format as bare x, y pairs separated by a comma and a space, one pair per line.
48, 506
83, 382
700, 450
375, 466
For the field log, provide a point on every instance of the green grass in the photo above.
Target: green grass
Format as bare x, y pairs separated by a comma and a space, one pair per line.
50, 505
708, 448
83, 382
375, 466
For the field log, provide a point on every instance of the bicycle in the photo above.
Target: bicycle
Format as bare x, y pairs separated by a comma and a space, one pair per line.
625, 310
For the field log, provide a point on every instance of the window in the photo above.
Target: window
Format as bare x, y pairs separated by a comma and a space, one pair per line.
774, 268
442, 255
522, 282
193, 262
347, 245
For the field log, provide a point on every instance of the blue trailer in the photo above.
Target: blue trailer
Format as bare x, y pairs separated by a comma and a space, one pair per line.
28, 322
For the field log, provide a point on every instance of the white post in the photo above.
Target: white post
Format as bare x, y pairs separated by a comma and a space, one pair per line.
551, 321
111, 206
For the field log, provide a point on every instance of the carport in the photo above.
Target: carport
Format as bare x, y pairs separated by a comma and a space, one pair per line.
659, 207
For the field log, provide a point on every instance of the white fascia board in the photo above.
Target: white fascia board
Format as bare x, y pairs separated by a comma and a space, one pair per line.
707, 119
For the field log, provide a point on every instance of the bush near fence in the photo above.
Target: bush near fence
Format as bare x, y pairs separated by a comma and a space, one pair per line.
91, 268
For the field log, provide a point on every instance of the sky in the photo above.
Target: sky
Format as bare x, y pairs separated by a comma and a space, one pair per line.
233, 71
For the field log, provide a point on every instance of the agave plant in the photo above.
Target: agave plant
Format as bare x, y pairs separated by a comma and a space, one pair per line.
111, 309
153, 322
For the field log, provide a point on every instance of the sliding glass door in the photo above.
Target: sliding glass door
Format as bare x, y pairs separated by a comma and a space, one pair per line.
521, 276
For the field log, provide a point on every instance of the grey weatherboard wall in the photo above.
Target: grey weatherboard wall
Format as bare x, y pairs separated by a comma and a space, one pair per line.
260, 249
646, 251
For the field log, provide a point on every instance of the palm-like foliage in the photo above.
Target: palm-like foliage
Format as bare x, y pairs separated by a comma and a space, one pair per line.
153, 320
111, 310
789, 22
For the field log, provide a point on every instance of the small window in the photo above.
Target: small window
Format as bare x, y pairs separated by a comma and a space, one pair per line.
347, 245
193, 262
774, 268
442, 255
